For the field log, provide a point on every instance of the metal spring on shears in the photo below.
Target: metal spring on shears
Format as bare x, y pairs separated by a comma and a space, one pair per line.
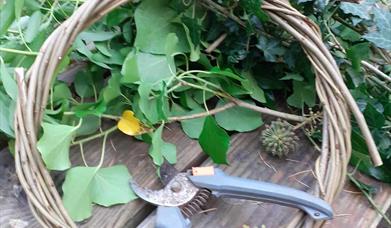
197, 204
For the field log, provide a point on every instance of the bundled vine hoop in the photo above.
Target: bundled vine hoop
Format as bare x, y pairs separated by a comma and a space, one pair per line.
330, 168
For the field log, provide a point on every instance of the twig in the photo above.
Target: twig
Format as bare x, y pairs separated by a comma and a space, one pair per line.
106, 132
202, 114
376, 71
216, 43
267, 111
2, 49
371, 201
298, 173
267, 164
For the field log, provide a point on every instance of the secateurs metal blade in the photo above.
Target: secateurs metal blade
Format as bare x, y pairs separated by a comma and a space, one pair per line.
188, 192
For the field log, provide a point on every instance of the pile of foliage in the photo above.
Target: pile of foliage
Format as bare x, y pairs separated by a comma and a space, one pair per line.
152, 62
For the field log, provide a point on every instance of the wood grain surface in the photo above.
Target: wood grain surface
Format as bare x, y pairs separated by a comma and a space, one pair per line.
351, 209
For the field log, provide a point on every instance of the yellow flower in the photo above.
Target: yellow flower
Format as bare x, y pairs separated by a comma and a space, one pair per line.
129, 124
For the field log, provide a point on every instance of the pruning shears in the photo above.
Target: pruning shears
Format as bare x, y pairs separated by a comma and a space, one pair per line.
187, 193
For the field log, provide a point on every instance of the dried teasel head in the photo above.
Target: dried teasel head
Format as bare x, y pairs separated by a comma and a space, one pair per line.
279, 138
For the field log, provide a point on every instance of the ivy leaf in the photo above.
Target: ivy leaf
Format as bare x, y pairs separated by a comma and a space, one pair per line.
7, 15
104, 186
356, 53
18, 8
9, 83
33, 26
147, 68
193, 34
161, 149
361, 10
302, 94
112, 89
214, 141
271, 48
54, 145
251, 85
61, 91
381, 37
226, 72
292, 76
154, 21
238, 118
129, 124
193, 127
148, 106
362, 160
374, 118
254, 7
95, 108
6, 115
96, 36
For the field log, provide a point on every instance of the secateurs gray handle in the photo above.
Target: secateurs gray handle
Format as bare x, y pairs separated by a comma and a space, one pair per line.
186, 192
223, 185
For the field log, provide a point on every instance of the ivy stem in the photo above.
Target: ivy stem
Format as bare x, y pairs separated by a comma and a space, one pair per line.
203, 114
107, 116
243, 104
18, 51
92, 137
371, 201
102, 156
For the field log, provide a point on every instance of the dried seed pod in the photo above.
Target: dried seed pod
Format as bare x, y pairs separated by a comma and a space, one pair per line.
279, 138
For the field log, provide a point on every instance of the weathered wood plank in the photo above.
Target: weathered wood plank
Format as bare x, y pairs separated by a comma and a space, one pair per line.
134, 154
351, 209
14, 209
120, 149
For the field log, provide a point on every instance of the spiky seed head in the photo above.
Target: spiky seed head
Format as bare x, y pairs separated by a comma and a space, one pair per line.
279, 138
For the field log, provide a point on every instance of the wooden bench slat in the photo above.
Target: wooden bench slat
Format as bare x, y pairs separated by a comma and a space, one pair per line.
351, 209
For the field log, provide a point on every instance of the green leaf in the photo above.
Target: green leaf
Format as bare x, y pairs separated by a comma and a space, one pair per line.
361, 10
89, 125
193, 127
18, 8
214, 141
147, 68
54, 145
254, 7
292, 76
6, 115
110, 186
160, 149
238, 118
382, 37
9, 83
97, 36
33, 26
302, 94
251, 85
95, 108
7, 16
356, 53
104, 186
77, 192
271, 48
112, 90
193, 35
226, 72
154, 21
148, 106
61, 91
373, 117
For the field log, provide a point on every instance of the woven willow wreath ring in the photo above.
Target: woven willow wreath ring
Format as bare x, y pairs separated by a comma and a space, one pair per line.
330, 168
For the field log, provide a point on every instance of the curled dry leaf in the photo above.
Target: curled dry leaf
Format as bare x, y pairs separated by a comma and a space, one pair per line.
130, 125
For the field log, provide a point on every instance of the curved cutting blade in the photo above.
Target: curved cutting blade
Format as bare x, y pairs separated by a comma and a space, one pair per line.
177, 192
